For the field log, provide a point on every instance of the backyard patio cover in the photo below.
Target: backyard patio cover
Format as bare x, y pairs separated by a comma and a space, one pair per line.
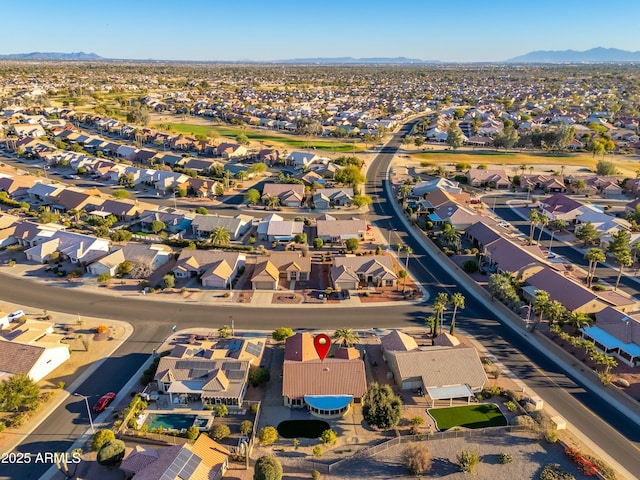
611, 342
328, 402
452, 391
185, 387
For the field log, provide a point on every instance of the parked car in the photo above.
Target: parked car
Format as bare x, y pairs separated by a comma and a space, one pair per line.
15, 315
104, 402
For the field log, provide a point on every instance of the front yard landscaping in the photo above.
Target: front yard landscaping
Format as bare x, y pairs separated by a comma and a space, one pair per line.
471, 416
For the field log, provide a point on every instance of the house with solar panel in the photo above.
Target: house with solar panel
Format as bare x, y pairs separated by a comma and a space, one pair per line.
326, 388
204, 459
208, 372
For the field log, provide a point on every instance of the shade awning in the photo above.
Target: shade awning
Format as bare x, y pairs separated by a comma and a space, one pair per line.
452, 391
328, 402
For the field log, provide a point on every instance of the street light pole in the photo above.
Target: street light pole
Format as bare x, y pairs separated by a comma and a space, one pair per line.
389, 237
551, 240
86, 401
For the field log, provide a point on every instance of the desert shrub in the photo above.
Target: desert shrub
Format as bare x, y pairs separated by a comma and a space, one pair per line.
111, 453
218, 432
258, 376
192, 433
505, 458
329, 437
511, 406
267, 468
317, 450
315, 475
552, 471
221, 410
101, 328
254, 408
467, 460
524, 420
100, 438
470, 266
418, 458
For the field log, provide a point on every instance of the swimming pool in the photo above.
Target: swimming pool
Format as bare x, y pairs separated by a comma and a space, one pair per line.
169, 421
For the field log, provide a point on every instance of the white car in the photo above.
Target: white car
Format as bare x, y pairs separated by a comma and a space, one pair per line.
15, 315
504, 224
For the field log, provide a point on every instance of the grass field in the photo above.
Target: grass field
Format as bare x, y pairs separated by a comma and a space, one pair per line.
268, 140
627, 164
470, 416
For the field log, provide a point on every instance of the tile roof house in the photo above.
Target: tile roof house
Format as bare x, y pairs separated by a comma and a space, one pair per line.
327, 388
77, 248
216, 269
437, 367
30, 348
290, 266
275, 229
206, 459
301, 159
331, 230
290, 194
175, 221
150, 256
574, 296
616, 333
204, 225
496, 178
75, 199
349, 271
420, 189
326, 198
561, 207
123, 210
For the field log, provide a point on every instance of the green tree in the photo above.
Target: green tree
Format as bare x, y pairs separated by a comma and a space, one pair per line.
540, 303
267, 468
587, 233
361, 200
300, 238
111, 452
220, 236
579, 185
439, 307
202, 211
252, 196
329, 437
346, 337
267, 436
104, 278
224, 331
280, 334
19, 392
273, 202
455, 137
457, 300
127, 180
100, 438
257, 168
620, 248
534, 220
220, 431
242, 139
48, 216
381, 408
192, 433
595, 256
258, 376
169, 280
157, 226
124, 268
543, 222
577, 320
246, 427
350, 175
318, 243
221, 410
119, 194
352, 244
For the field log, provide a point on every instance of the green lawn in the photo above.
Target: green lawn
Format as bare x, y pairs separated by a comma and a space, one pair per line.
472, 416
302, 428
267, 139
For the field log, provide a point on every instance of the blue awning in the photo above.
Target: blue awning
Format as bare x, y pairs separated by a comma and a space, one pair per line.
328, 402
611, 342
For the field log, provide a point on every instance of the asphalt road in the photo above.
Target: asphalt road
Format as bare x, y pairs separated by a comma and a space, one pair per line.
152, 321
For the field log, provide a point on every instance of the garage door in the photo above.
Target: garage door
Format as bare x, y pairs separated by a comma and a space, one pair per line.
263, 285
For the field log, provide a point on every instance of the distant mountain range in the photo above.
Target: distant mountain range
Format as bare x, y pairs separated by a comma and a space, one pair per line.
595, 55
351, 60
51, 56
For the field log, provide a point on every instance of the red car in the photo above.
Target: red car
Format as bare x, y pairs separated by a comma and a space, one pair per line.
104, 401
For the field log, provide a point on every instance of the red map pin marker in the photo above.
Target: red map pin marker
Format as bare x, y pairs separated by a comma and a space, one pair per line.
322, 343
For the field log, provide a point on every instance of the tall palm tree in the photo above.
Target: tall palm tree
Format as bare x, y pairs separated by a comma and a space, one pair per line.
457, 300
540, 303
577, 320
555, 311
439, 306
273, 201
595, 256
409, 251
544, 221
346, 337
220, 236
534, 219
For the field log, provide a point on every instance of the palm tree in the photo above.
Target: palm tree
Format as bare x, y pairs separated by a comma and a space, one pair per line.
457, 300
544, 221
409, 251
555, 311
534, 219
523, 167
452, 238
577, 320
439, 306
220, 236
346, 337
431, 322
540, 303
273, 201
595, 256
405, 191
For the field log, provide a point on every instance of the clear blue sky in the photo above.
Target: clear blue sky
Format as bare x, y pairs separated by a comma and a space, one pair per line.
448, 30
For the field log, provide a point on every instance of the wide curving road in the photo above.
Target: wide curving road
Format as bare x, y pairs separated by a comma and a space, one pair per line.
152, 321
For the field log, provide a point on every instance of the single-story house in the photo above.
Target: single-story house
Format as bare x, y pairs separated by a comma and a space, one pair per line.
290, 194
291, 266
349, 271
327, 388
216, 269
616, 333
331, 230
204, 225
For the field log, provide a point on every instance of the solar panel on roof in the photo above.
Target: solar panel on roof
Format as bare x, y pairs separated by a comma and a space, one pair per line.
254, 349
235, 374
190, 467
